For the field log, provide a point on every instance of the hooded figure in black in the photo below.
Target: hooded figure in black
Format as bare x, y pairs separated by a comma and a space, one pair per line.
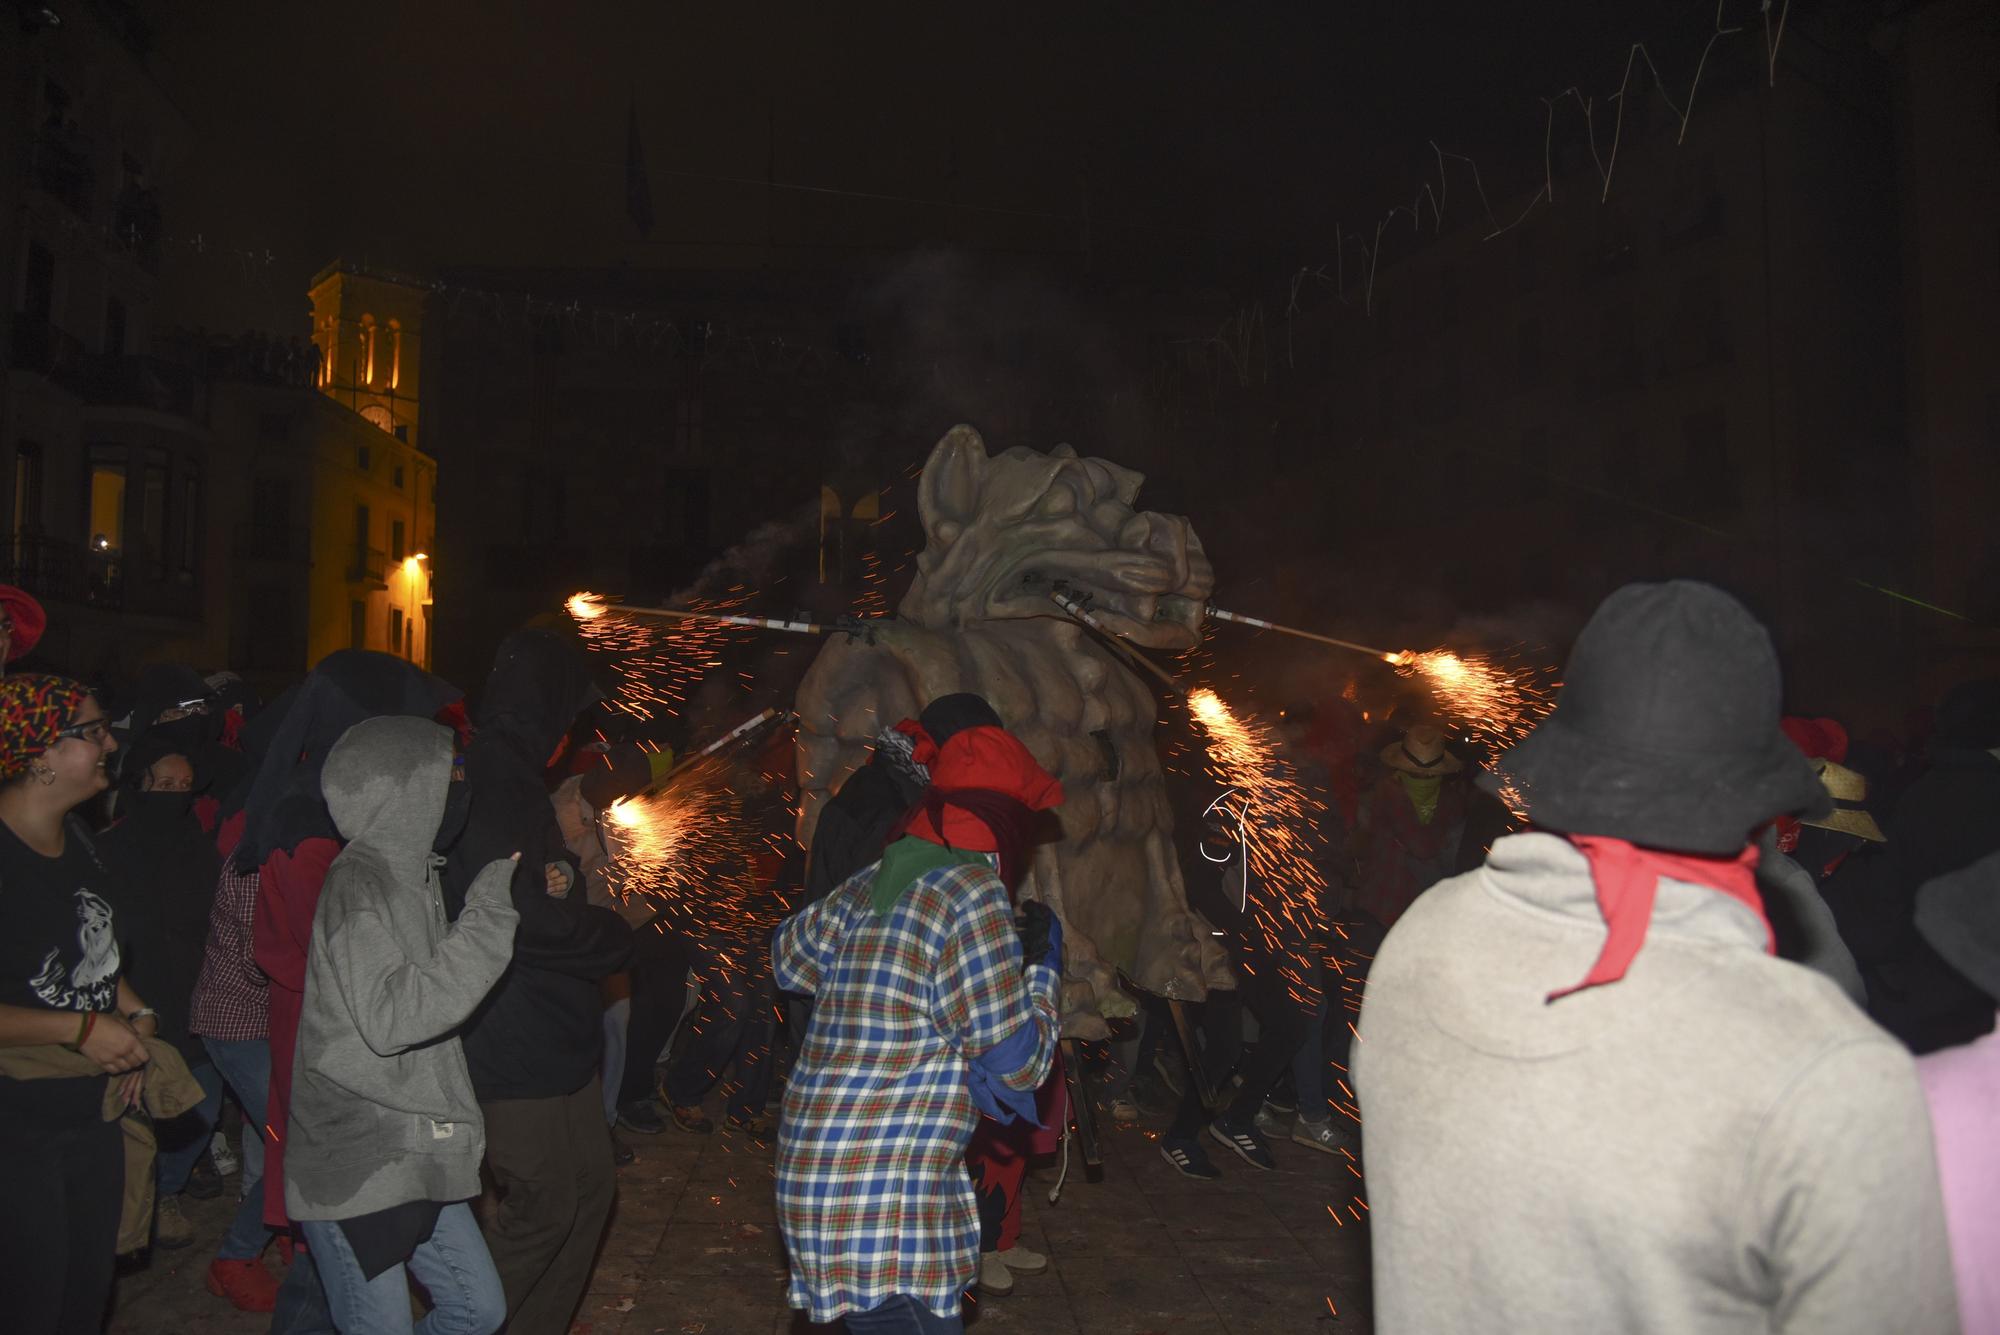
533, 1047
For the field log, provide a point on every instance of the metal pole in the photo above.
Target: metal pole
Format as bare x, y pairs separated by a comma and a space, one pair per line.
1261, 624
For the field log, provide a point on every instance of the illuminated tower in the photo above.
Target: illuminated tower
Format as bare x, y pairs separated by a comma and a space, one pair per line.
369, 334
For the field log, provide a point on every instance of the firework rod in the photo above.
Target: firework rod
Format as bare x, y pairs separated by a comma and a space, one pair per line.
762, 623
749, 725
1241, 620
1081, 613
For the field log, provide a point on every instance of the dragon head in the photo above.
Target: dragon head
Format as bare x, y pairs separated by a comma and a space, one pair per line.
1003, 533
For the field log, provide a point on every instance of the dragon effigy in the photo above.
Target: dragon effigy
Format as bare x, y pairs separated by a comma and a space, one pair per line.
1002, 533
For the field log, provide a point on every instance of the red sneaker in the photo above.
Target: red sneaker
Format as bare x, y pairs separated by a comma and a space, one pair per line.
247, 1284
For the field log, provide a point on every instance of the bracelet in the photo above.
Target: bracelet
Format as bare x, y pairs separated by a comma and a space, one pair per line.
83, 1028
140, 1014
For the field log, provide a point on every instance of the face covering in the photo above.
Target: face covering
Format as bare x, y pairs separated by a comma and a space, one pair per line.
457, 806
156, 809
1423, 792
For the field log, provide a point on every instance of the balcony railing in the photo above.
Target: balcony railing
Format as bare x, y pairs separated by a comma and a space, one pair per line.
41, 347
65, 571
370, 566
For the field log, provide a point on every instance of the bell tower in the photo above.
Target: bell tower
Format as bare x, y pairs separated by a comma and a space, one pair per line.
368, 331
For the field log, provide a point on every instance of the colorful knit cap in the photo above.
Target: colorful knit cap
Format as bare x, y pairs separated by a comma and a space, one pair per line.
33, 709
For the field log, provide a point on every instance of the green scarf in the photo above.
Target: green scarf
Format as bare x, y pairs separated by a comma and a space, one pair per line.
1423, 794
907, 859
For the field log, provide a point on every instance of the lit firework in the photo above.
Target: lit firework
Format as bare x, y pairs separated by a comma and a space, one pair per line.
1284, 892
659, 662
1496, 703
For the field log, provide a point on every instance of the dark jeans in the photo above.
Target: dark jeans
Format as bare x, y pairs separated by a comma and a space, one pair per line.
551, 1159
1283, 1029
62, 1192
659, 992
903, 1315
732, 1026
302, 1306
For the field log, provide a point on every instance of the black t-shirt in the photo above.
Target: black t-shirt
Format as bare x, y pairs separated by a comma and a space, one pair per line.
58, 951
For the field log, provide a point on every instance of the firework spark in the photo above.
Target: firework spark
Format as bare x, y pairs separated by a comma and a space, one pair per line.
1274, 812
1496, 703
658, 662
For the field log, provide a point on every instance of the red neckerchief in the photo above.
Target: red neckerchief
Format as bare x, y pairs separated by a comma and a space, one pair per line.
1627, 878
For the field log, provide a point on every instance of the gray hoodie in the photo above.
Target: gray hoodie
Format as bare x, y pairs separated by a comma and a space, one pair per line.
382, 1108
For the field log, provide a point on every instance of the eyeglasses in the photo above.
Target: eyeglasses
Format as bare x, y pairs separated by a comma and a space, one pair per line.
95, 731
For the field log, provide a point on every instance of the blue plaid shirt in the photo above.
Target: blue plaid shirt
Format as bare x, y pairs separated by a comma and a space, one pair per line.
873, 1196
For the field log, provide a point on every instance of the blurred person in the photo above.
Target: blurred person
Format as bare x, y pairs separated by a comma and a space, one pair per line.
61, 983
1585, 1048
534, 1045
931, 1006
1943, 823
385, 1133
1959, 914
22, 622
168, 869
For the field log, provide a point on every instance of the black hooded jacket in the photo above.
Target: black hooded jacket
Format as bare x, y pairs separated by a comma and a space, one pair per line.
167, 868
539, 1033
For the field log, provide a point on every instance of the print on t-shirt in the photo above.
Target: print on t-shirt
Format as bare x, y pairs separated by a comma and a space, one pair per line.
93, 983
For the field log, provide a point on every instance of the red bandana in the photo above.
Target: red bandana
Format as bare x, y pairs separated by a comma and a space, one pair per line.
1627, 878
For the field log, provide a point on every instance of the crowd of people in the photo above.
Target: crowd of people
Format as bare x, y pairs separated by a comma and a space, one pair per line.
1704, 1046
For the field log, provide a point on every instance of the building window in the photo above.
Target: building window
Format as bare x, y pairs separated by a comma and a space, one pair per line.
153, 507
362, 457
361, 531
38, 291
190, 524
114, 328
402, 432
107, 501
357, 624
396, 540
399, 471
27, 489
396, 630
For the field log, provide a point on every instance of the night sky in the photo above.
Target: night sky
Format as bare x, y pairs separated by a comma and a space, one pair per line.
1230, 139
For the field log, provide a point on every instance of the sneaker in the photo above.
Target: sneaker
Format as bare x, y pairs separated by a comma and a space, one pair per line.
753, 1124
1322, 1136
1247, 1144
692, 1120
1124, 1110
223, 1155
1271, 1121
642, 1116
171, 1227
204, 1183
994, 1276
1190, 1158
247, 1285
1022, 1261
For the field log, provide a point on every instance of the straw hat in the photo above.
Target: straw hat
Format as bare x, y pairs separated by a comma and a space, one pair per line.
1421, 752
1848, 790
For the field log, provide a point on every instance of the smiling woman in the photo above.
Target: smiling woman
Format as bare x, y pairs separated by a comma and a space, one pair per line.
61, 985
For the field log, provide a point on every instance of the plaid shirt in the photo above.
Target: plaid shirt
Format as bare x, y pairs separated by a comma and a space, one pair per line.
873, 1195
232, 998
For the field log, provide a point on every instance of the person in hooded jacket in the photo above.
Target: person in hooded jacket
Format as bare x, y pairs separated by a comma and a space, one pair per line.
168, 868
290, 838
1592, 1098
22, 622
1943, 823
385, 1132
533, 1046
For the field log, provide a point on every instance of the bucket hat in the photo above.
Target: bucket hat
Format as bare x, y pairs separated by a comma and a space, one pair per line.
1666, 731
1849, 790
1421, 752
1959, 914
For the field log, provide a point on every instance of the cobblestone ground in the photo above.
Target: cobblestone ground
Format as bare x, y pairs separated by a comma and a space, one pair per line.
694, 1250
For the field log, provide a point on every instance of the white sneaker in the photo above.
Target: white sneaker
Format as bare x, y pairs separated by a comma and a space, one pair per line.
994, 1276
1124, 1111
1322, 1136
223, 1155
1022, 1261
